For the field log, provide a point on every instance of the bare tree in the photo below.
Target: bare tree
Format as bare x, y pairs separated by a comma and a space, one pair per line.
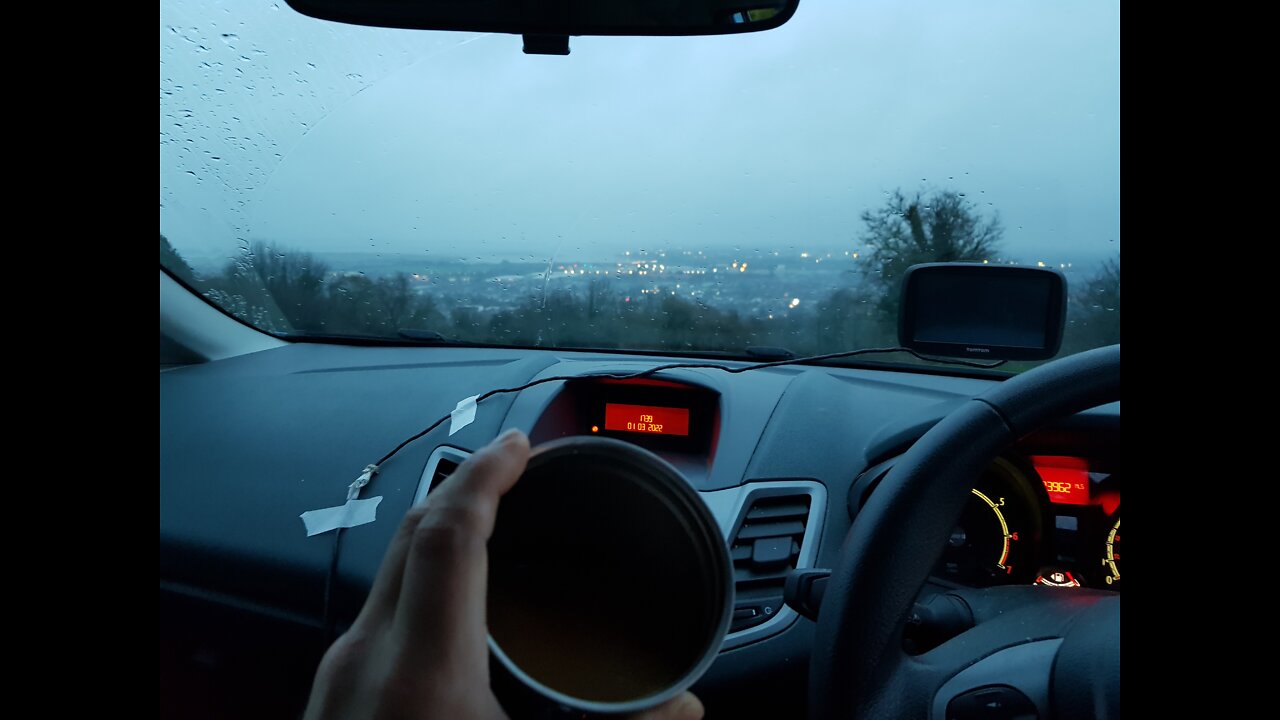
942, 227
1093, 316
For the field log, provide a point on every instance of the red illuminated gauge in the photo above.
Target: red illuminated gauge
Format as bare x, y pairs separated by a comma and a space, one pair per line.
1111, 557
994, 543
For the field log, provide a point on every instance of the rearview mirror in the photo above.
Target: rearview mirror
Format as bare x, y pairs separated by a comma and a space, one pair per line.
555, 20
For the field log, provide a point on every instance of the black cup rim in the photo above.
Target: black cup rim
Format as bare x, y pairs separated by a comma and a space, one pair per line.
666, 478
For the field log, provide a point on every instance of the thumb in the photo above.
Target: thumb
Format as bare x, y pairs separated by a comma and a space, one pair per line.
685, 706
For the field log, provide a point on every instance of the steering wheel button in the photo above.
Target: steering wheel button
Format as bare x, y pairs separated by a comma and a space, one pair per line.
997, 702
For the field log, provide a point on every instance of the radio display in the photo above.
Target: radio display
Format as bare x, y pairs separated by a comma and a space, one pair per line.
648, 419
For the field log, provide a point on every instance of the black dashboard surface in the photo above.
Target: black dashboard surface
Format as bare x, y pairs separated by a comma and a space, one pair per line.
250, 443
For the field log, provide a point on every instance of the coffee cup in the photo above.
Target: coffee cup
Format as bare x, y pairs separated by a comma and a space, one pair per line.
610, 585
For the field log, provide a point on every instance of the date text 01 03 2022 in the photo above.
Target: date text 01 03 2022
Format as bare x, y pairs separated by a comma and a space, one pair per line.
646, 419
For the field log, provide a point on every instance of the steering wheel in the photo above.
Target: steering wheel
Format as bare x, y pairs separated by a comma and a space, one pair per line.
1058, 650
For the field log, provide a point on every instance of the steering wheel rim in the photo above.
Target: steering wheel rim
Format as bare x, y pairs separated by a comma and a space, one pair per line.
858, 667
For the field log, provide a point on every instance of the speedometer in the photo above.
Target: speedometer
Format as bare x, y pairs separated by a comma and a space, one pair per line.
1111, 556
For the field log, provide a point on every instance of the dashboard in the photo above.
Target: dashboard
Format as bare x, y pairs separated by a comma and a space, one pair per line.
784, 458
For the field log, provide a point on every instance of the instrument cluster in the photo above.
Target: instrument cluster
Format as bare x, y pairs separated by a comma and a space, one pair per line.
1045, 519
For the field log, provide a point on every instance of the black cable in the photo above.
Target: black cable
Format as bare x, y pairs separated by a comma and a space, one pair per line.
327, 635
326, 627
690, 366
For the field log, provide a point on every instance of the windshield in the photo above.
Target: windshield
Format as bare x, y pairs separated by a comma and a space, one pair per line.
677, 194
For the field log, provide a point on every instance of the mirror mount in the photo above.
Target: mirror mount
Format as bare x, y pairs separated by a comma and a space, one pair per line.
546, 44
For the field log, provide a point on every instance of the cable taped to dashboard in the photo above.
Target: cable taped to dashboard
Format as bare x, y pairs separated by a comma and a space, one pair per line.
465, 411
676, 366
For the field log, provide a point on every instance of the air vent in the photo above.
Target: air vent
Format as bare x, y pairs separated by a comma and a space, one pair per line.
765, 547
444, 469
442, 463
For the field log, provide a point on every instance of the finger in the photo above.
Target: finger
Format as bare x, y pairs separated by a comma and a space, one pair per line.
441, 608
492, 470
384, 596
380, 606
685, 706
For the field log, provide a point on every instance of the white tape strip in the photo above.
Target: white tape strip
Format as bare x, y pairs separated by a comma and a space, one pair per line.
463, 415
353, 514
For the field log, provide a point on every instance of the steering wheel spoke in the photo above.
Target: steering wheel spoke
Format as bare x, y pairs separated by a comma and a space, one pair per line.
1003, 666
1009, 683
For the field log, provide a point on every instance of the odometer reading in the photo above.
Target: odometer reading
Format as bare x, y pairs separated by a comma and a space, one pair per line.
648, 419
1066, 479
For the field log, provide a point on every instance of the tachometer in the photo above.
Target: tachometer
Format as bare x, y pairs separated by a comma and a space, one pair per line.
1111, 555
996, 538
1002, 539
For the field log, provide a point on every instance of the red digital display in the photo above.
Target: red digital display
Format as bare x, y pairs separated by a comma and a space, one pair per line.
647, 419
1066, 479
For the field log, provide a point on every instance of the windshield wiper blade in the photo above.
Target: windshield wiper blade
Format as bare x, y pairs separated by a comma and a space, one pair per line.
769, 353
402, 337
431, 338
865, 359
426, 337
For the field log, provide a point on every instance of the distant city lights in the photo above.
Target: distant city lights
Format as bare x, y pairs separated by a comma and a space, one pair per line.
641, 279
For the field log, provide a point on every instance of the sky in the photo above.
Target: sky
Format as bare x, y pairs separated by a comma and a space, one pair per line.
324, 137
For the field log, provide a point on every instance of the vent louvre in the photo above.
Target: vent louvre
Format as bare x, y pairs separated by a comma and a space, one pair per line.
764, 549
444, 468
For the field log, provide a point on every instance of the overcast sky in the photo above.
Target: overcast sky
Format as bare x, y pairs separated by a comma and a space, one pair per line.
328, 137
